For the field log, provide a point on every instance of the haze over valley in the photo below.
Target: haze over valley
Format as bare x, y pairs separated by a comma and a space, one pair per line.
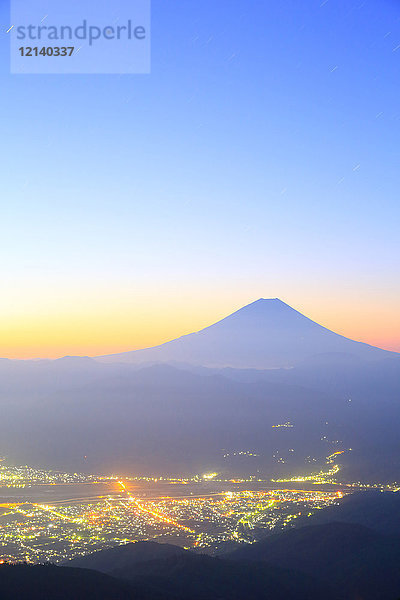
199, 303
171, 410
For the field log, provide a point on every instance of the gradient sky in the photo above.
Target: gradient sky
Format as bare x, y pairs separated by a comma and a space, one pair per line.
259, 159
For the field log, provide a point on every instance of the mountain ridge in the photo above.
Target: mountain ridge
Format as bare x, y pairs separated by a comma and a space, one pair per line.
265, 334
185, 575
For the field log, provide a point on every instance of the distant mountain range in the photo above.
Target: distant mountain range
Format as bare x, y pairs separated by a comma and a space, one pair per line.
171, 410
267, 334
167, 420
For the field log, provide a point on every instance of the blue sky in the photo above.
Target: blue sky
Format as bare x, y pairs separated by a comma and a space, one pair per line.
259, 158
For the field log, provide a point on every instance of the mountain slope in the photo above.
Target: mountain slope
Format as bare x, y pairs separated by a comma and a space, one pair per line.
373, 509
39, 582
357, 560
125, 557
266, 334
185, 575
165, 419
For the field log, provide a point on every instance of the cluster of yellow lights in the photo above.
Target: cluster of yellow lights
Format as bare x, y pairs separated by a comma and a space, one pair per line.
317, 478
157, 515
209, 476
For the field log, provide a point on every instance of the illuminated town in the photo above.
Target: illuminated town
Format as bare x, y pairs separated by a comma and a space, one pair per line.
50, 516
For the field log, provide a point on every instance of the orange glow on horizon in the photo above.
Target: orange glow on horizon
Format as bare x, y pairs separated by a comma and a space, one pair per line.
94, 331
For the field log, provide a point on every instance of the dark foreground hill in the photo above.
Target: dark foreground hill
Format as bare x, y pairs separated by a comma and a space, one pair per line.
27, 582
376, 510
334, 561
126, 557
358, 562
180, 574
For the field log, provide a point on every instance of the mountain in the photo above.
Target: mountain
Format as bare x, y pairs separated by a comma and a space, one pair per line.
39, 582
337, 561
127, 556
373, 509
267, 334
163, 420
165, 412
358, 562
184, 575
105, 417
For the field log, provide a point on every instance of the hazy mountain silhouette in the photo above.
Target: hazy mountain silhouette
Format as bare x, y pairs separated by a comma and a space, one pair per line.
162, 419
266, 334
78, 413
